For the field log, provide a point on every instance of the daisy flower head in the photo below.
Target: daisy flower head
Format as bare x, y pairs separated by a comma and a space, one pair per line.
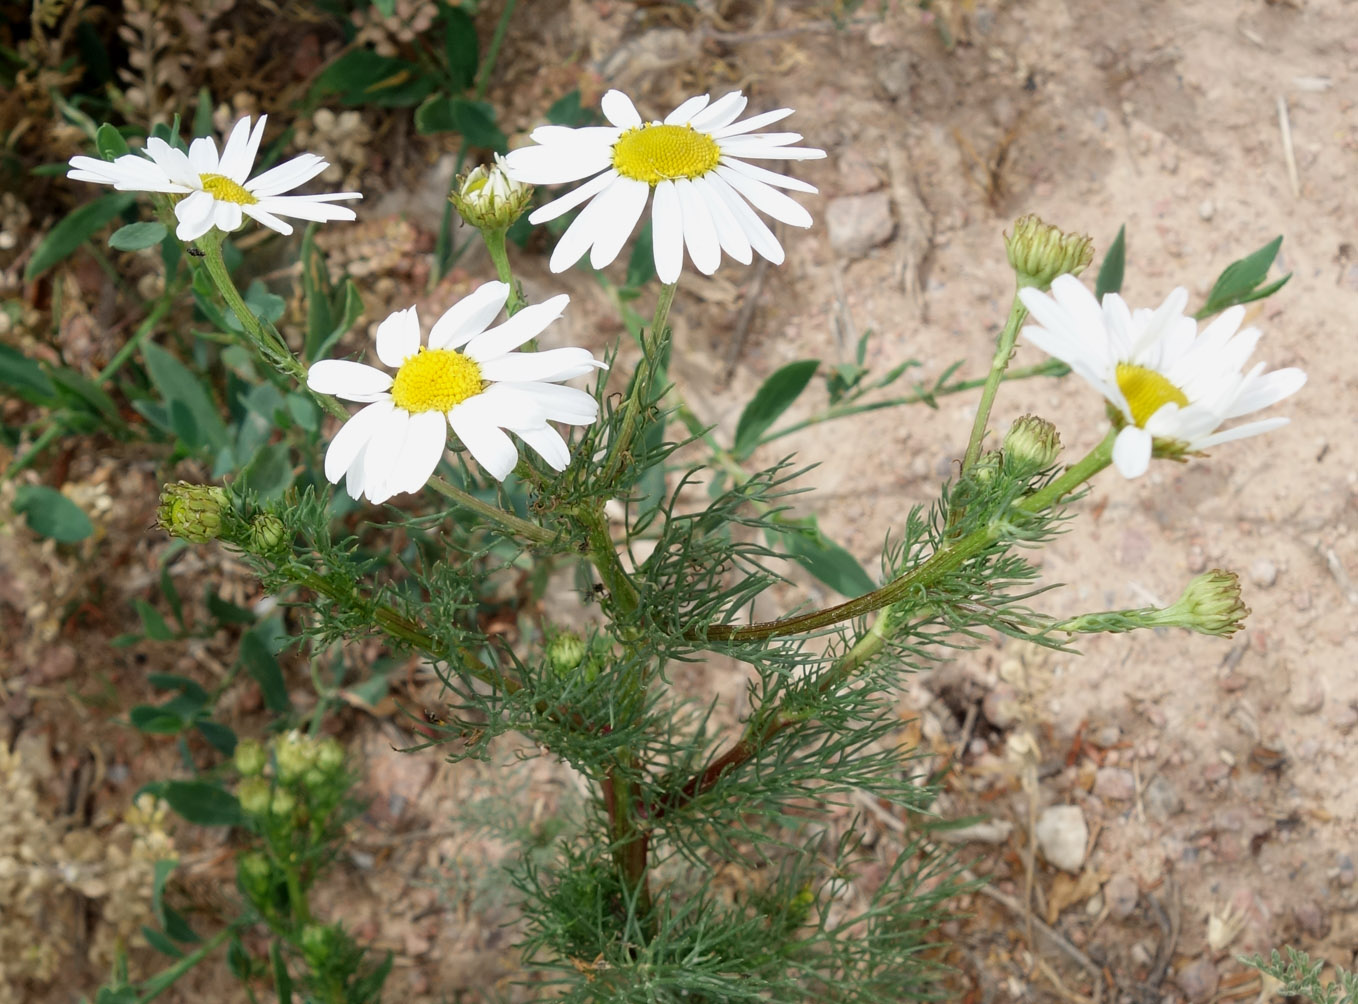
693, 167
466, 377
1164, 380
218, 190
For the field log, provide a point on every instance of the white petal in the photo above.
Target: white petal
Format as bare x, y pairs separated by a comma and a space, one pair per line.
527, 323
558, 163
619, 110
580, 136
766, 199
720, 113
493, 450
514, 407
733, 238
129, 173
1132, 452
227, 216
238, 156
202, 156
667, 232
174, 162
267, 219
768, 177
426, 436
1241, 432
308, 207
470, 316
383, 450
572, 198
555, 402
548, 444
349, 380
686, 111
287, 176
700, 233
622, 205
196, 208
756, 230
753, 123
398, 337
522, 367
750, 150
1266, 390
352, 438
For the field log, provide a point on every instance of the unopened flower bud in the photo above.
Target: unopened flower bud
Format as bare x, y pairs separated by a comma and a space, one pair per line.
330, 755
283, 803
1031, 444
1039, 253
253, 794
319, 943
192, 512
250, 757
565, 651
1210, 604
267, 533
295, 754
488, 199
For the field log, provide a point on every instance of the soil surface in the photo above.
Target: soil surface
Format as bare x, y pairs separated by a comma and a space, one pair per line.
1213, 777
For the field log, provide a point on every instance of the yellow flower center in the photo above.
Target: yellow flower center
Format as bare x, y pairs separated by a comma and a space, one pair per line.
1147, 392
223, 189
435, 380
656, 153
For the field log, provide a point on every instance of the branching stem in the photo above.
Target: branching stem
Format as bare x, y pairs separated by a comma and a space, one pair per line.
1004, 351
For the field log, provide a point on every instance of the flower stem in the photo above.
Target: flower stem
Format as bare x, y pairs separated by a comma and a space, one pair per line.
1004, 351
495, 244
641, 383
512, 524
943, 561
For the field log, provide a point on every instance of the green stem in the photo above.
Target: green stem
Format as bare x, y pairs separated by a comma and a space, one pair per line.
641, 383
43, 441
263, 339
945, 560
493, 49
130, 346
158, 984
512, 524
495, 244
604, 557
1052, 367
1004, 351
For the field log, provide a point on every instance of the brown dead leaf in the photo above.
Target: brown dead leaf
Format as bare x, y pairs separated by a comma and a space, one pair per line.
1066, 891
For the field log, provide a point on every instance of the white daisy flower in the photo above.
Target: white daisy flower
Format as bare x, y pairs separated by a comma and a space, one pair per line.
218, 192
1166, 380
467, 377
695, 162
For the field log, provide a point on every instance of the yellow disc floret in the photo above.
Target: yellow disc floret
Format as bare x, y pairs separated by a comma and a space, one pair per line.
435, 380
656, 153
223, 189
1147, 391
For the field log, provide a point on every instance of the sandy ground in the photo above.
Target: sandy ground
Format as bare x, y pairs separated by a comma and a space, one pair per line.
1215, 777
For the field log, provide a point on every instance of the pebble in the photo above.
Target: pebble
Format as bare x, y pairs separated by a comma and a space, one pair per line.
1063, 834
1161, 799
1306, 696
1122, 893
1206, 209
1312, 920
1001, 707
1263, 573
1198, 980
1116, 783
859, 223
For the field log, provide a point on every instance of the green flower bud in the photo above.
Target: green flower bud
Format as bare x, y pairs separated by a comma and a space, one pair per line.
1039, 253
295, 754
250, 757
283, 803
254, 867
488, 199
253, 794
330, 755
565, 651
1210, 604
320, 943
192, 512
1031, 444
267, 533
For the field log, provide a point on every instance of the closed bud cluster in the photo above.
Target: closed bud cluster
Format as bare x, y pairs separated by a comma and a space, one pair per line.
1039, 253
1031, 444
250, 757
295, 754
488, 199
1210, 604
255, 874
320, 944
254, 794
565, 651
267, 534
192, 512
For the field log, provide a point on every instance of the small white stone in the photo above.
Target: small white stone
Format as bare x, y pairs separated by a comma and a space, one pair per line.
1206, 210
1063, 834
1263, 573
